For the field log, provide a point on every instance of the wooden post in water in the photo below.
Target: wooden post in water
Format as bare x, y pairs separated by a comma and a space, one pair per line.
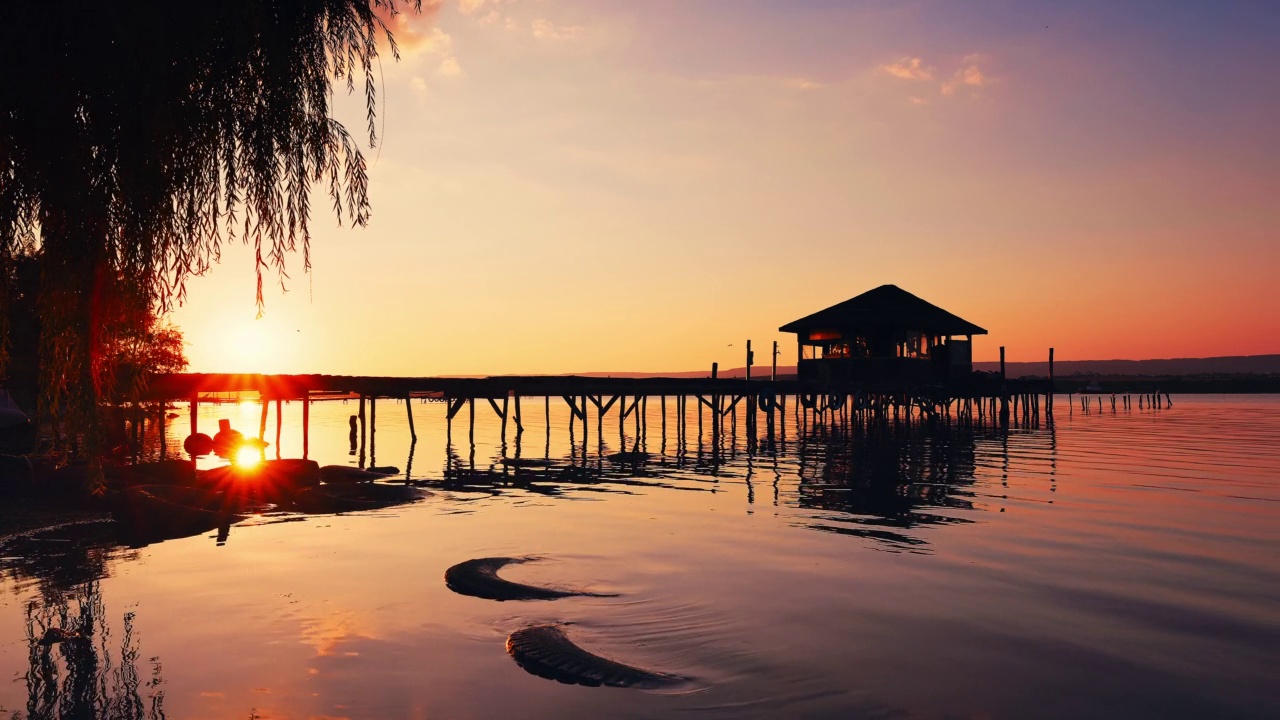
662, 408
773, 375
194, 407
362, 425
519, 422
373, 428
506, 398
262, 423
585, 445
408, 406
750, 357
279, 425
306, 424
1049, 395
715, 370
163, 443
471, 421
1004, 394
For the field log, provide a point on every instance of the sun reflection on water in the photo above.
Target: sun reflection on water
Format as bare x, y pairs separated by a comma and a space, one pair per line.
247, 457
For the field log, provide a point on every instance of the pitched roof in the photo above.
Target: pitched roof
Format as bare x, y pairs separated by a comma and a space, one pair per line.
887, 307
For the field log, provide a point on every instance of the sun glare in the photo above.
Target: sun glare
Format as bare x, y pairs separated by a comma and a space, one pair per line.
247, 457
247, 348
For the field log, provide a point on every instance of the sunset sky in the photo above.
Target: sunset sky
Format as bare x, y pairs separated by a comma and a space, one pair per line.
574, 185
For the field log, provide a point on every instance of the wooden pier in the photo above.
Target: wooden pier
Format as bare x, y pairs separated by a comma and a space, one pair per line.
979, 399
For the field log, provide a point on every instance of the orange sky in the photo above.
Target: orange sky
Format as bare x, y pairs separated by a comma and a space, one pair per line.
573, 186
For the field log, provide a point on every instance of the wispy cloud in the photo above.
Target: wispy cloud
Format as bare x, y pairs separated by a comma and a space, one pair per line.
413, 31
449, 67
544, 29
969, 74
911, 68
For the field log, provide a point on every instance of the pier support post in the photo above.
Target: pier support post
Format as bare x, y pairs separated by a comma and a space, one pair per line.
1049, 395
585, 444
195, 408
1004, 393
408, 406
506, 399
262, 423
306, 424
363, 428
279, 424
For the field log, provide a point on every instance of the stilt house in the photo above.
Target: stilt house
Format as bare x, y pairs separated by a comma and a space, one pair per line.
885, 335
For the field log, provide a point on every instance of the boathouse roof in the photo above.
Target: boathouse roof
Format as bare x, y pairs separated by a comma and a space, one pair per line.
887, 307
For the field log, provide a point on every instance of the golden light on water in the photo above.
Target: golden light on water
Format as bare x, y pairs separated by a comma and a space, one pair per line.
247, 457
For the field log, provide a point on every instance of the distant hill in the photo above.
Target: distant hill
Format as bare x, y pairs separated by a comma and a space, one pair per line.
1229, 365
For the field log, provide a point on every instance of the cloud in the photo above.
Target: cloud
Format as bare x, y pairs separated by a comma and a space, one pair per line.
413, 31
909, 69
544, 29
419, 87
469, 6
449, 67
969, 75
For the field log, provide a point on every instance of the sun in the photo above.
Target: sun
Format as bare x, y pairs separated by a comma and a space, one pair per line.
247, 457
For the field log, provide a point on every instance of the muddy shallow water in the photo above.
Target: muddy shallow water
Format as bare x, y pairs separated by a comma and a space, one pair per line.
1105, 565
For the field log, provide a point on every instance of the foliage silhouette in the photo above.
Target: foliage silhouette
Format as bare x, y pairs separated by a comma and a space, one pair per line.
137, 138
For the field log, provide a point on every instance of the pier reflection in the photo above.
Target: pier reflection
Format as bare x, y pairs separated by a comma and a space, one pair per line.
78, 665
868, 477
77, 670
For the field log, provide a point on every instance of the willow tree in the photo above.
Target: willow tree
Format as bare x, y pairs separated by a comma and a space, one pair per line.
138, 138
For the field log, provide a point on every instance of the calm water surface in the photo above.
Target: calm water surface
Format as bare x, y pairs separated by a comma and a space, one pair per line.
1111, 565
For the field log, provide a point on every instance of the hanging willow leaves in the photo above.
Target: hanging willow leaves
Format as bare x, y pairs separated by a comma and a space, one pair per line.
137, 138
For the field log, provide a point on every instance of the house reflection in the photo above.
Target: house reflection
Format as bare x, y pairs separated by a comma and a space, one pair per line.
880, 481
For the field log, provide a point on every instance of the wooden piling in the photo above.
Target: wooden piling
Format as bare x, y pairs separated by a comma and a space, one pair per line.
408, 406
363, 428
1049, 395
306, 424
279, 425
1004, 394
505, 400
194, 407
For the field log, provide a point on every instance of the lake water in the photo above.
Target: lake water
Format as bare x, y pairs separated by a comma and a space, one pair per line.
1107, 565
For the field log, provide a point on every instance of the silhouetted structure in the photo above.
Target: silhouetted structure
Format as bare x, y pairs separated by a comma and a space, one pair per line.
883, 335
